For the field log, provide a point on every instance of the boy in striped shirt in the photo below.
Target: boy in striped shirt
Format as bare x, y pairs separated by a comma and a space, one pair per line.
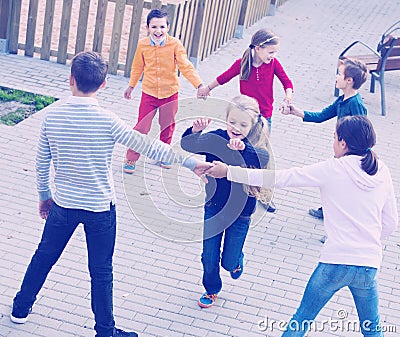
79, 137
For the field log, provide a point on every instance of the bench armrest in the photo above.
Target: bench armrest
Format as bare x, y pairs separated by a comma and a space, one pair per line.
363, 44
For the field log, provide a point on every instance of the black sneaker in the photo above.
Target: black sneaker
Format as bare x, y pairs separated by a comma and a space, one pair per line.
122, 333
316, 213
270, 207
19, 316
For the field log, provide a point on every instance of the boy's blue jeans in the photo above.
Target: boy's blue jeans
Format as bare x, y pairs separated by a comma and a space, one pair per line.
100, 230
234, 238
325, 281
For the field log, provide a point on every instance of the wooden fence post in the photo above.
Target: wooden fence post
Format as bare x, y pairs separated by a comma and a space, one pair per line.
172, 11
156, 4
242, 18
5, 15
116, 36
82, 26
64, 31
31, 28
198, 32
14, 25
272, 7
133, 34
99, 27
45, 51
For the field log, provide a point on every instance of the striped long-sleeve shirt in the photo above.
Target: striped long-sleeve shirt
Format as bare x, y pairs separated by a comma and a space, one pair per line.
79, 137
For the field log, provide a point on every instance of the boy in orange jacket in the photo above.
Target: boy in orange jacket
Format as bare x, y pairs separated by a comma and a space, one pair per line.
157, 57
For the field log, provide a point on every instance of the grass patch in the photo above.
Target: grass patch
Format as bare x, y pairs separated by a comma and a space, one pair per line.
17, 105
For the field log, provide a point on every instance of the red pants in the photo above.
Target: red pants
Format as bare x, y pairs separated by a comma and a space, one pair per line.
167, 107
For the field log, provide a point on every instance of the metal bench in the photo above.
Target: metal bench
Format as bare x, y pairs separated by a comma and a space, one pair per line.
386, 57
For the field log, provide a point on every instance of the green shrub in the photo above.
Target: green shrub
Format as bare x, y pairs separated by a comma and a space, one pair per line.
13, 117
38, 102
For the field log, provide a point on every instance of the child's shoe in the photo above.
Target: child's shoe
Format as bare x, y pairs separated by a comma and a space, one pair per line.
269, 207
129, 166
237, 272
316, 213
122, 333
165, 165
19, 315
207, 300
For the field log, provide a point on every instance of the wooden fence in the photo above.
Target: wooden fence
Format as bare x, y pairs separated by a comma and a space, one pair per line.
58, 29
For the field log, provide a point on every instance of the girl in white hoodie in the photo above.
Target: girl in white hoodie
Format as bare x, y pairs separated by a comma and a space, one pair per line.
360, 210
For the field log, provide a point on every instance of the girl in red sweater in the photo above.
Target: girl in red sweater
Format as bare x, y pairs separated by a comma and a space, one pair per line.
257, 69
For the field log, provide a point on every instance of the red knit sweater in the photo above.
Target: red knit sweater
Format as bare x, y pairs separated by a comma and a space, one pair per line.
260, 83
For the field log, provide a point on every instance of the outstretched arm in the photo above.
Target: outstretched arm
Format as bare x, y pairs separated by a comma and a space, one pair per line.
206, 90
293, 110
201, 169
218, 170
152, 148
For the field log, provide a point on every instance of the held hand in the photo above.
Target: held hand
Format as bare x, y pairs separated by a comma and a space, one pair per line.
203, 92
236, 144
44, 208
285, 109
218, 170
293, 110
128, 92
200, 170
200, 124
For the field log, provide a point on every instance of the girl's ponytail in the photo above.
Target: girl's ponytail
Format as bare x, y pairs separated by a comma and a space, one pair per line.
359, 135
369, 163
245, 65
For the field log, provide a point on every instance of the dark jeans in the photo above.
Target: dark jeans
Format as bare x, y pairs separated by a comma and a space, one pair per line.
100, 230
234, 238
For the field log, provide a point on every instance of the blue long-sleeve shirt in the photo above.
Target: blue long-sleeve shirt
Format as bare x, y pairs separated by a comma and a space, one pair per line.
340, 108
221, 193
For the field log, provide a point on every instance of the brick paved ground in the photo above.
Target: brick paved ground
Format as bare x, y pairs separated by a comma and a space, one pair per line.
158, 281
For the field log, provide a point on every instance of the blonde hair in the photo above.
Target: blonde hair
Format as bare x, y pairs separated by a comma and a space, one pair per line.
258, 137
260, 38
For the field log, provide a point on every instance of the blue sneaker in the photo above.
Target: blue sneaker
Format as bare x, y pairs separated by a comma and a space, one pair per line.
207, 300
165, 165
237, 272
18, 315
129, 166
316, 213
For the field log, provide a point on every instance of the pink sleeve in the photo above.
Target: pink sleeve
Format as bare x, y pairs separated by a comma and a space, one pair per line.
233, 71
283, 77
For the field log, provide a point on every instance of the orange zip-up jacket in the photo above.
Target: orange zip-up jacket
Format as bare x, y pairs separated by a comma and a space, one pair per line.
160, 64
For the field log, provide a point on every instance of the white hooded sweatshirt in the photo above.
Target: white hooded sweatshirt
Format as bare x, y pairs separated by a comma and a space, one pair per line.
359, 209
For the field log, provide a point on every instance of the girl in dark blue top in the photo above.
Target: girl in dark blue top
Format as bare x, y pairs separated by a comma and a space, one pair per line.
229, 206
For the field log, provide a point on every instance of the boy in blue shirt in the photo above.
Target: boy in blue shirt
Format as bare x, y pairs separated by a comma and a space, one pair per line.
351, 75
